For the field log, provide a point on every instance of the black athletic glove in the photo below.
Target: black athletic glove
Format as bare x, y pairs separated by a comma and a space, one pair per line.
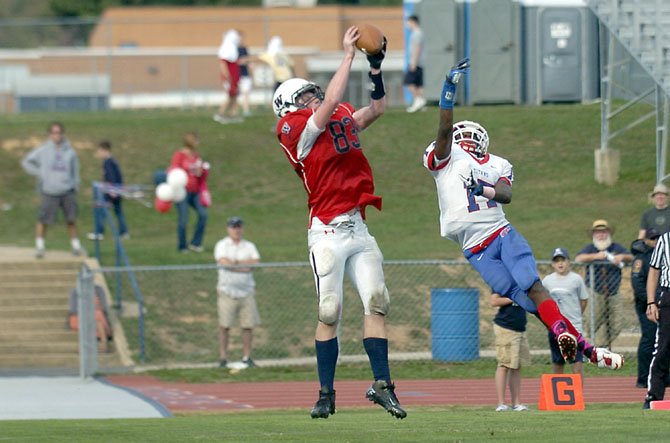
376, 59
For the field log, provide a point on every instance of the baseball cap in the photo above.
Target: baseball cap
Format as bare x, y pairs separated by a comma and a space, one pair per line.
651, 234
235, 222
659, 189
600, 225
560, 252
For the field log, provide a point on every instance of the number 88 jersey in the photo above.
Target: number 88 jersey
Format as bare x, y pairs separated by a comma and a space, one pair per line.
335, 173
465, 218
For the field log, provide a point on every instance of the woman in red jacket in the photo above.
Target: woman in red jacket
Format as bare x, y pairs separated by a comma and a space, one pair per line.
188, 159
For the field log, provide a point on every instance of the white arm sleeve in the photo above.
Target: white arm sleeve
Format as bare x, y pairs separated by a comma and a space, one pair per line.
307, 138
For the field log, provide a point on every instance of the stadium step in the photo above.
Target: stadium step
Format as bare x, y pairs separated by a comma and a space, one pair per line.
34, 304
64, 360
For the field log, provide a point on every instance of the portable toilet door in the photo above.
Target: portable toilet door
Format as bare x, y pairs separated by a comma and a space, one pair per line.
560, 52
439, 25
495, 42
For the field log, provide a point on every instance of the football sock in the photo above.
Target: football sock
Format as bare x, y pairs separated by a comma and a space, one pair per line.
378, 353
557, 323
551, 316
326, 360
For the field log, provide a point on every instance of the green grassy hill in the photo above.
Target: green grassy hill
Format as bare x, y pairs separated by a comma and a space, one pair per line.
551, 147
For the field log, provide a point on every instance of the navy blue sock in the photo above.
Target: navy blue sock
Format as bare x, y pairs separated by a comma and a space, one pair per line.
326, 360
378, 353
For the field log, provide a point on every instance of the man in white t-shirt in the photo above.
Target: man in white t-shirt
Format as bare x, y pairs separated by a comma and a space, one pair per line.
236, 289
568, 290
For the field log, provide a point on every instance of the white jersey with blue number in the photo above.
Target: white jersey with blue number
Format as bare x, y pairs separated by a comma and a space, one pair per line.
464, 218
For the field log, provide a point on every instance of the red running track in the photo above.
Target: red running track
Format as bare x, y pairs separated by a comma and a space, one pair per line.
183, 397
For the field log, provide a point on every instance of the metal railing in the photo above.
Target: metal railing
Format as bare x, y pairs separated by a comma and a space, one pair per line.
177, 324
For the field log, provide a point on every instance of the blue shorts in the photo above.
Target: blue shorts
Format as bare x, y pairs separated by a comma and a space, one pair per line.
556, 356
507, 265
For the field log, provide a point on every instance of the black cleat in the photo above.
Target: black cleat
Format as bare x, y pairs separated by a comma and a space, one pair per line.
325, 405
384, 395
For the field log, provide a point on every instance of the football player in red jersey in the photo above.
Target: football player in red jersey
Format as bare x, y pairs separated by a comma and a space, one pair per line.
319, 135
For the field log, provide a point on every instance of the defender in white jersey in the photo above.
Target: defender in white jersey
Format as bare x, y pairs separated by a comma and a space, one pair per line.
471, 187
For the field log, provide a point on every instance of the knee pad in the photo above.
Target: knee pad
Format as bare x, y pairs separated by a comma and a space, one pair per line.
380, 302
329, 308
323, 259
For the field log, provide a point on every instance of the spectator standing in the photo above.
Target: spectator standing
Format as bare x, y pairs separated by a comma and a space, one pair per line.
112, 177
657, 217
642, 250
246, 82
278, 60
230, 76
512, 352
658, 311
319, 135
606, 258
568, 290
56, 166
236, 289
188, 159
417, 60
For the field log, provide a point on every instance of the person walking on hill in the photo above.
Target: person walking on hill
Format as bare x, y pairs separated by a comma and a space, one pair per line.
229, 55
319, 136
188, 159
111, 176
472, 185
417, 59
279, 62
56, 166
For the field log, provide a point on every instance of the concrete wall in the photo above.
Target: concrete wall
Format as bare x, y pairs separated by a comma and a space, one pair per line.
321, 27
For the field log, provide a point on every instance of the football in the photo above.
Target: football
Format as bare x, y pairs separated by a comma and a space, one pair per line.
371, 39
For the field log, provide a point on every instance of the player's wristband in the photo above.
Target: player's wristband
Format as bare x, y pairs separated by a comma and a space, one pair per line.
489, 192
377, 92
448, 94
651, 303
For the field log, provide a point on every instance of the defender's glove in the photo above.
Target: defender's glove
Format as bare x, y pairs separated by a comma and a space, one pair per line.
449, 87
457, 71
375, 60
472, 184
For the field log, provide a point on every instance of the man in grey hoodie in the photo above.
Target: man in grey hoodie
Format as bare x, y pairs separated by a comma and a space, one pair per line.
56, 166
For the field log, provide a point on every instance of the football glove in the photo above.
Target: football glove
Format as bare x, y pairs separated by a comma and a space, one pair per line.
472, 184
375, 60
457, 71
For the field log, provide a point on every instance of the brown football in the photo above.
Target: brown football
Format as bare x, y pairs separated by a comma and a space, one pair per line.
371, 39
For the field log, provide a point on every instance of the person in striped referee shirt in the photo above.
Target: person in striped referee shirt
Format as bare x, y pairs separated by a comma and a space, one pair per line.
658, 311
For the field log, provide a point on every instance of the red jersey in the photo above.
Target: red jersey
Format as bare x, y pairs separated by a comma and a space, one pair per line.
188, 163
335, 173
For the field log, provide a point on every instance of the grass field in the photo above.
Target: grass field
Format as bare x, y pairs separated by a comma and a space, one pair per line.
555, 201
551, 148
611, 423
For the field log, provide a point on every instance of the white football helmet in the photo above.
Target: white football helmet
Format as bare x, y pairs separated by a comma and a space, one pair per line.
472, 137
285, 98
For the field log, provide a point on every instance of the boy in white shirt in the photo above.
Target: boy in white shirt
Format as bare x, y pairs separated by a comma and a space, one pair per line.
567, 288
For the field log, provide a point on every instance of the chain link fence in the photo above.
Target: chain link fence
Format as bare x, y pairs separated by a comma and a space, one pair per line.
179, 325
